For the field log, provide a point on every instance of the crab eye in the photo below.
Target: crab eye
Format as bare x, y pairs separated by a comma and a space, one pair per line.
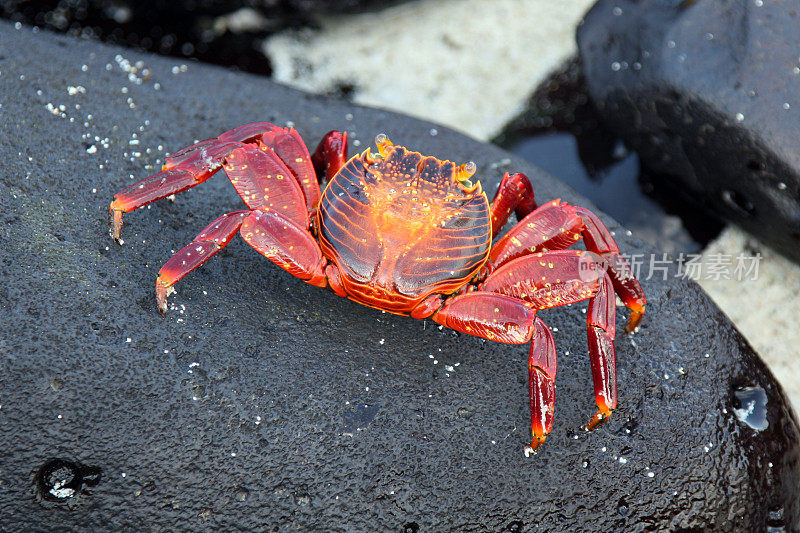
465, 172
383, 143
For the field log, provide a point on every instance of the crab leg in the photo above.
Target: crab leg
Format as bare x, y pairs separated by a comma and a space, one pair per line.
195, 164
286, 244
515, 193
266, 184
506, 319
541, 385
557, 225
549, 227
210, 241
552, 279
330, 155
489, 316
599, 240
180, 172
601, 330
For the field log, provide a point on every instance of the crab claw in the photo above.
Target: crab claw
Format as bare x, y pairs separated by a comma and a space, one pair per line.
383, 143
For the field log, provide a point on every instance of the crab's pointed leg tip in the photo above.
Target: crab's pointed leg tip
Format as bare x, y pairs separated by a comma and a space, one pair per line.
597, 420
116, 224
162, 292
533, 447
634, 320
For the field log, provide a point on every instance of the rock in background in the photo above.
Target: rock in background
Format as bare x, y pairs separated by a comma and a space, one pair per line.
708, 93
225, 32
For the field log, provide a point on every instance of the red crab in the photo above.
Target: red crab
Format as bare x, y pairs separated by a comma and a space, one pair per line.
411, 235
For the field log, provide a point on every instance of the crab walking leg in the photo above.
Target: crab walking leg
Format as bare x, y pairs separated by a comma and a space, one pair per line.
207, 243
601, 330
515, 193
196, 163
490, 316
330, 155
541, 385
504, 319
286, 244
547, 279
182, 170
599, 240
552, 279
549, 227
179, 174
265, 183
557, 225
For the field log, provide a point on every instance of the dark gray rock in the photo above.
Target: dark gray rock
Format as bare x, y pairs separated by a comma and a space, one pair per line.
261, 402
708, 93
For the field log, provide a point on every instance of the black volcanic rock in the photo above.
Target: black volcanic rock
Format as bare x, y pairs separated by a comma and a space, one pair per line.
708, 93
260, 402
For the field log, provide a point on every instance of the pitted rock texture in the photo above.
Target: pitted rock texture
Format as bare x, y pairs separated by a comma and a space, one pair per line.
260, 402
707, 92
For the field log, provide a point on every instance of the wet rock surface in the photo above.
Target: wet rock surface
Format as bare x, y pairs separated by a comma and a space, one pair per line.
260, 401
707, 92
